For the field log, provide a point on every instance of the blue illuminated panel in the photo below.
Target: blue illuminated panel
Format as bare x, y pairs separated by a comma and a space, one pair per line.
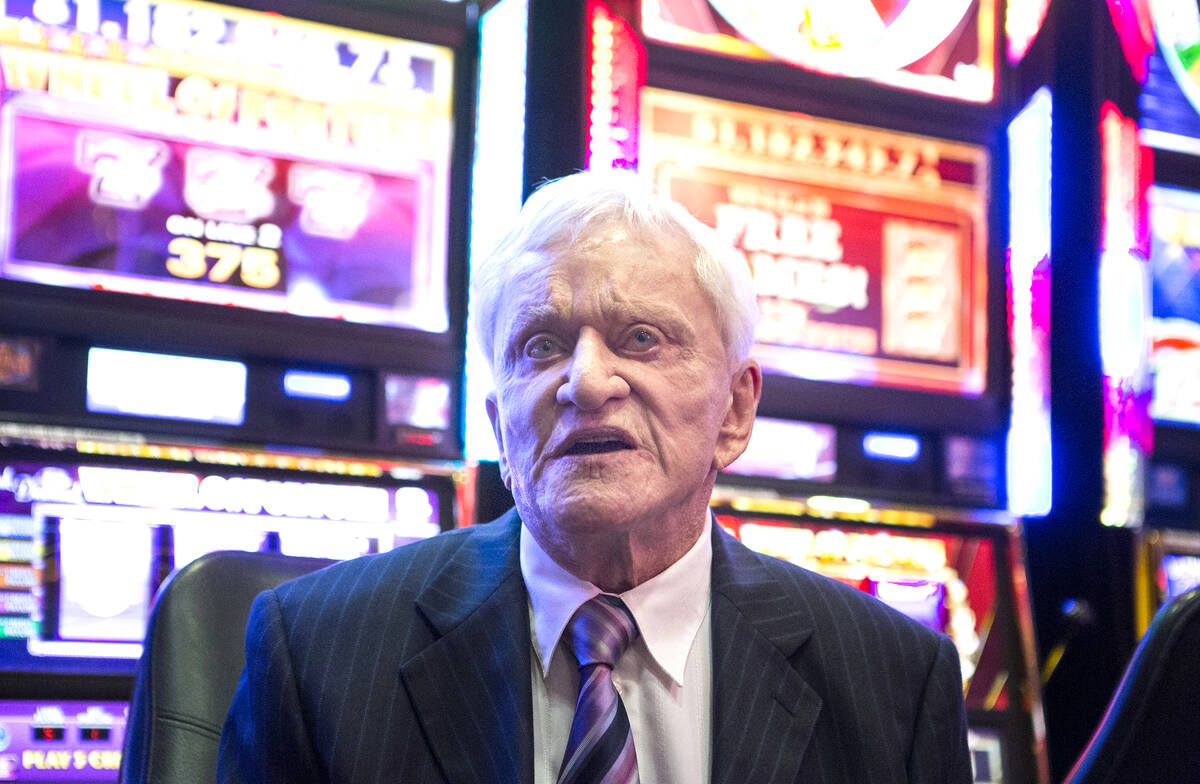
892, 446
335, 387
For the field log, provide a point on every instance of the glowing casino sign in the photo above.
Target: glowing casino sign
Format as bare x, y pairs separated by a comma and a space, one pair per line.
867, 247
855, 37
195, 151
941, 47
61, 741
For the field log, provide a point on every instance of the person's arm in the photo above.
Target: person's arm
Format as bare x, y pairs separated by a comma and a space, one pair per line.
939, 753
265, 739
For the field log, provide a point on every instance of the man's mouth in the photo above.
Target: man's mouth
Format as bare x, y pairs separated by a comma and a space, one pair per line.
597, 443
597, 447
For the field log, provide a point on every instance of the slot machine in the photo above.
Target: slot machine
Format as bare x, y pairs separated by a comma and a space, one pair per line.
231, 252
857, 155
1169, 123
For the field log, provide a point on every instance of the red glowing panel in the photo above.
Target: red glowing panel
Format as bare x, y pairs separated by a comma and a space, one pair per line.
1124, 317
1135, 29
867, 247
616, 71
1127, 173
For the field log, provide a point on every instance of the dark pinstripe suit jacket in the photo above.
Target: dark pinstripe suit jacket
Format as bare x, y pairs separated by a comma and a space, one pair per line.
413, 666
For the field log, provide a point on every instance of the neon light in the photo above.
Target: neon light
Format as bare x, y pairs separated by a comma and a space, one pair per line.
939, 47
834, 505
848, 37
166, 386
891, 446
1022, 21
85, 650
236, 494
616, 70
1124, 310
1029, 443
316, 386
1127, 172
1135, 30
497, 179
789, 542
116, 443
804, 546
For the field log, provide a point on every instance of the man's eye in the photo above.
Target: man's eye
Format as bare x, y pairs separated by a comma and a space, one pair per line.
540, 347
642, 339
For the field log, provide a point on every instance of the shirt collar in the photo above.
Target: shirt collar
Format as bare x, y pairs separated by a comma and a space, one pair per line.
668, 607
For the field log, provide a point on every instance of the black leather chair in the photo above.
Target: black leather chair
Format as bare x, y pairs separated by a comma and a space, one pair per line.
193, 657
1151, 731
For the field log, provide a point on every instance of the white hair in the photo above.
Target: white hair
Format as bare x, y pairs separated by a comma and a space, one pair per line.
563, 211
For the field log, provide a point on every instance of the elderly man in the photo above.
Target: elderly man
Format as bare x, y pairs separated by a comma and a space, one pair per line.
605, 630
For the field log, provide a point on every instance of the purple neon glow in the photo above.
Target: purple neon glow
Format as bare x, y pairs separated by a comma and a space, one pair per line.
1030, 447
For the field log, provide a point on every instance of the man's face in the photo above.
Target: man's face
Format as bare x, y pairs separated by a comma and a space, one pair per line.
613, 392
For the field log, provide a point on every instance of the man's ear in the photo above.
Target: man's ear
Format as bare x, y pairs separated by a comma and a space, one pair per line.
745, 389
493, 412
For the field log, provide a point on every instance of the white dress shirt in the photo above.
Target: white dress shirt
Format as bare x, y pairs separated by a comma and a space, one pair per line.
664, 678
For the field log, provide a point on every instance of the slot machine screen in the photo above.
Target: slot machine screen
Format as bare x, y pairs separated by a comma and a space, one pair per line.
1180, 573
200, 152
939, 47
867, 247
85, 547
1175, 301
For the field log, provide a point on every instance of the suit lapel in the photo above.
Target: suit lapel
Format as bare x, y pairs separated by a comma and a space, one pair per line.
470, 687
763, 710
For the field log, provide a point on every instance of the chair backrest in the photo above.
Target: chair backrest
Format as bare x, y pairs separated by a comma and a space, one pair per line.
1151, 731
194, 654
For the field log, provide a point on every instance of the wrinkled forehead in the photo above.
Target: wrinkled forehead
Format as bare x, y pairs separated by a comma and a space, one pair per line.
538, 274
592, 246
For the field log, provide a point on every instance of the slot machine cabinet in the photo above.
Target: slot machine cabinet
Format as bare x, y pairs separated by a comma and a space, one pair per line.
1169, 123
232, 258
947, 568
868, 198
1081, 547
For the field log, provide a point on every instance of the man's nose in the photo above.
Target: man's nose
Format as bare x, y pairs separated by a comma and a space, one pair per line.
593, 377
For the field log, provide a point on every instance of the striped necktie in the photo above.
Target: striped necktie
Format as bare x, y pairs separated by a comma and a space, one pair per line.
600, 747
